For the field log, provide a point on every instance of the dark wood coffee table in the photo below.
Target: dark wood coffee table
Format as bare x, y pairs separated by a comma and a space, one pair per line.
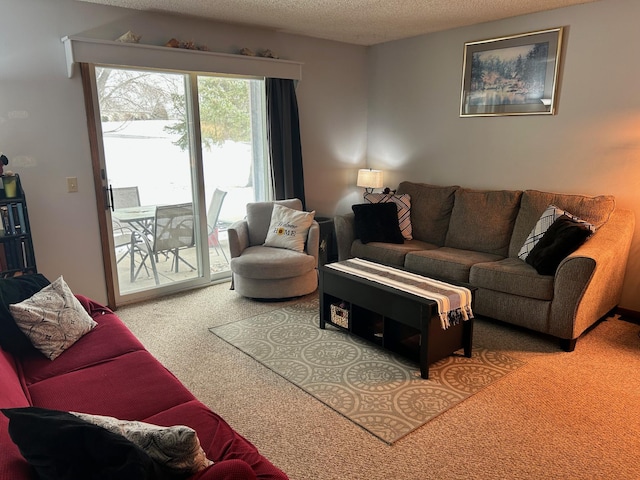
393, 319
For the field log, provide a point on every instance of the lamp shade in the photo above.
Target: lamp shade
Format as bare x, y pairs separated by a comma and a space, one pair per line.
368, 178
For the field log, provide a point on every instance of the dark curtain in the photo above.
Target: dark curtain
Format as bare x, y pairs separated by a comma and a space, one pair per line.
283, 130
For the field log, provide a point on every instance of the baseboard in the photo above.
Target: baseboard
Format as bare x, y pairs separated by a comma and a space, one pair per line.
632, 316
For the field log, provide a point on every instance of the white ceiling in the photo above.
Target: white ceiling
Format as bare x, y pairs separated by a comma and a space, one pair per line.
361, 22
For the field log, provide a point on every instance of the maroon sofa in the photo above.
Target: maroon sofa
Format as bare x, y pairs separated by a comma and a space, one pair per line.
109, 372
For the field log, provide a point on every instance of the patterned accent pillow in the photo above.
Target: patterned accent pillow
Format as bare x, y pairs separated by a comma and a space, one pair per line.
550, 215
177, 448
288, 228
53, 319
403, 203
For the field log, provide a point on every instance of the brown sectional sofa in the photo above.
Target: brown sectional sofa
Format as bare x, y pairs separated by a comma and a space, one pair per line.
474, 236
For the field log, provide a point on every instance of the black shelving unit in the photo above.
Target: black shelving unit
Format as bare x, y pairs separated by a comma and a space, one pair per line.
16, 247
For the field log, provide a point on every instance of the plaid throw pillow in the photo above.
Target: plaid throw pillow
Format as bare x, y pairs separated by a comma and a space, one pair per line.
550, 215
403, 203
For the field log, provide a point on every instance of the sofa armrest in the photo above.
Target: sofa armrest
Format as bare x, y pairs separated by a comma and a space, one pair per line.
588, 283
238, 234
345, 234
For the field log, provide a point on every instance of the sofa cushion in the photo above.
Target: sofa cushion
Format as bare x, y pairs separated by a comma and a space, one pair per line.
15, 290
388, 253
595, 210
53, 319
60, 446
108, 387
562, 238
377, 222
403, 204
446, 263
430, 210
482, 220
262, 263
288, 228
512, 276
89, 350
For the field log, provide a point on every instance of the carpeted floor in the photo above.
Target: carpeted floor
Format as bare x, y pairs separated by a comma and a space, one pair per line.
380, 391
560, 416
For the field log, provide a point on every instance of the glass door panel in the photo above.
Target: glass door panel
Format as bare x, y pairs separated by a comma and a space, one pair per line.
149, 165
234, 158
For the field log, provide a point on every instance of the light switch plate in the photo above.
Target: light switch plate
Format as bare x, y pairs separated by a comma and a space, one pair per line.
72, 184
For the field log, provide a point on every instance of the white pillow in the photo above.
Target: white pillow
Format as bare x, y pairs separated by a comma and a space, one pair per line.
550, 215
288, 228
53, 318
403, 204
176, 447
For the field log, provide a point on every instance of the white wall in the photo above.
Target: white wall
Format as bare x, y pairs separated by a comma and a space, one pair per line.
592, 145
43, 125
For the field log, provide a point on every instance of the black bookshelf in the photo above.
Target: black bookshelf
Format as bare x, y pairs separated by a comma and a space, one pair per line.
16, 247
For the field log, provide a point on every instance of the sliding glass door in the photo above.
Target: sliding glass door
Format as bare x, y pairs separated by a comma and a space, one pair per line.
182, 155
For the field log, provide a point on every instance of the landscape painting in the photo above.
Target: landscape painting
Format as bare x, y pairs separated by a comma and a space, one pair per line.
514, 75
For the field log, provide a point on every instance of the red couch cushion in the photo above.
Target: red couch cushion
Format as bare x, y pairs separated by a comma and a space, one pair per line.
130, 387
89, 350
217, 438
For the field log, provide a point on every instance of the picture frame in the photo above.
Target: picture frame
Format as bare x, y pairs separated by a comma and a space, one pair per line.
512, 75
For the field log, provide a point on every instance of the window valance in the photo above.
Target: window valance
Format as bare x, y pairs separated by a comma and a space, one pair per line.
107, 52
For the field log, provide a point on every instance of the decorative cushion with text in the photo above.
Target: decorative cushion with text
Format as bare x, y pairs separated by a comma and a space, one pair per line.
377, 222
53, 319
403, 203
288, 228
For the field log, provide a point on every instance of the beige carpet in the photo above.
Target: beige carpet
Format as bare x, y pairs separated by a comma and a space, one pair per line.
377, 390
560, 416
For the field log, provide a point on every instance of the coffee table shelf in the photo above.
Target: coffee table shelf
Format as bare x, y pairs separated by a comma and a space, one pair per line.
392, 319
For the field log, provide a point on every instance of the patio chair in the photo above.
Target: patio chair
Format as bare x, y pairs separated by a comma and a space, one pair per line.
213, 213
173, 231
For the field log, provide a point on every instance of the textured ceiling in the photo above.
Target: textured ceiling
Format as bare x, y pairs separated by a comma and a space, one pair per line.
361, 22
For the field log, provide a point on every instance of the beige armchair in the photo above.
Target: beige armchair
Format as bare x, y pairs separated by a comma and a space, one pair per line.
268, 272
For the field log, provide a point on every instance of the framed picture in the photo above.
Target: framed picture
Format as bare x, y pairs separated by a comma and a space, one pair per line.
514, 75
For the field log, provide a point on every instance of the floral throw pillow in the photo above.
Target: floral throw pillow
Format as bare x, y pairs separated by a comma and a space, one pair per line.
53, 319
288, 228
403, 204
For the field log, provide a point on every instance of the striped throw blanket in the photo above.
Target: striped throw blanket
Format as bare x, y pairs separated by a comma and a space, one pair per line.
454, 303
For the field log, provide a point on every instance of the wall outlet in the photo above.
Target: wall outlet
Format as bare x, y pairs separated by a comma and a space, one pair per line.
72, 184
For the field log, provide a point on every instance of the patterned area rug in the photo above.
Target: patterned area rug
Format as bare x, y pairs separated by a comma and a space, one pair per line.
378, 390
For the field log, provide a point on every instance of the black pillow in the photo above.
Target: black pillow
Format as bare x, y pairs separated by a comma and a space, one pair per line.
377, 222
563, 237
60, 446
15, 290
